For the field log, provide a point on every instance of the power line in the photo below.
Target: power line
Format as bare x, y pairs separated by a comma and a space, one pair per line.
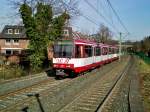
85, 16
119, 19
110, 14
106, 12
102, 5
101, 15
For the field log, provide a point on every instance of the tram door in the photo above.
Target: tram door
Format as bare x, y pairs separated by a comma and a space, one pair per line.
79, 54
79, 51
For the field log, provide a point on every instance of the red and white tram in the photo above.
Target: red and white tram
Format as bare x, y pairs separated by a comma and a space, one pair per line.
75, 56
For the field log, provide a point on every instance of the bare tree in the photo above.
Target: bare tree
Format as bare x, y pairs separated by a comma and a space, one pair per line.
143, 45
59, 6
104, 34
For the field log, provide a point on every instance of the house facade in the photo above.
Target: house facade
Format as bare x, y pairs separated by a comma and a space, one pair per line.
12, 41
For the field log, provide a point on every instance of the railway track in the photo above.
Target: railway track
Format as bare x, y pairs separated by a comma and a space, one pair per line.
126, 96
17, 84
53, 94
12, 98
123, 80
99, 96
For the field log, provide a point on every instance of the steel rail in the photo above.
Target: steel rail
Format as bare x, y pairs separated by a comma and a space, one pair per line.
108, 95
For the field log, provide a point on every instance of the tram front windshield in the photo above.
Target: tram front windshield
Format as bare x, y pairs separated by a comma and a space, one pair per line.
63, 50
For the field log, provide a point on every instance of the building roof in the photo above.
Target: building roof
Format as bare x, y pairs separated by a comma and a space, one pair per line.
21, 35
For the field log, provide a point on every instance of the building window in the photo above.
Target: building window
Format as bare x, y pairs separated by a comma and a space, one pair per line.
17, 31
7, 41
16, 41
8, 52
65, 32
15, 52
10, 31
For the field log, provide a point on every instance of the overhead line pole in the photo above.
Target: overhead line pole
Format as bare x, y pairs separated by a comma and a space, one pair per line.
120, 45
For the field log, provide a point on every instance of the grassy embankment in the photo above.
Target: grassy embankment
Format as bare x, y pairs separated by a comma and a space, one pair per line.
144, 70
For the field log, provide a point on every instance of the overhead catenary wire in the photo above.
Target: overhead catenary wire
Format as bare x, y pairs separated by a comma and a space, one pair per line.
101, 15
110, 15
85, 16
102, 8
105, 9
119, 19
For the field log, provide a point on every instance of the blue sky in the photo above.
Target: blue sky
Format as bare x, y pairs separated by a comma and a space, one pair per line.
135, 14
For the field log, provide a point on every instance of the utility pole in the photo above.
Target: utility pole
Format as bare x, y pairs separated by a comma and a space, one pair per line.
120, 40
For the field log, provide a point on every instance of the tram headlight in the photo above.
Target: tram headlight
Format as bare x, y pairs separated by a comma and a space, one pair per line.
54, 65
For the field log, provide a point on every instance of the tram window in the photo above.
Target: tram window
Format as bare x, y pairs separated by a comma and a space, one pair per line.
110, 50
117, 50
63, 51
77, 51
97, 51
88, 51
105, 50
113, 50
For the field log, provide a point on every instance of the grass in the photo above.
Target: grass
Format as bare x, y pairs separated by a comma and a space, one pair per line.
144, 70
9, 72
